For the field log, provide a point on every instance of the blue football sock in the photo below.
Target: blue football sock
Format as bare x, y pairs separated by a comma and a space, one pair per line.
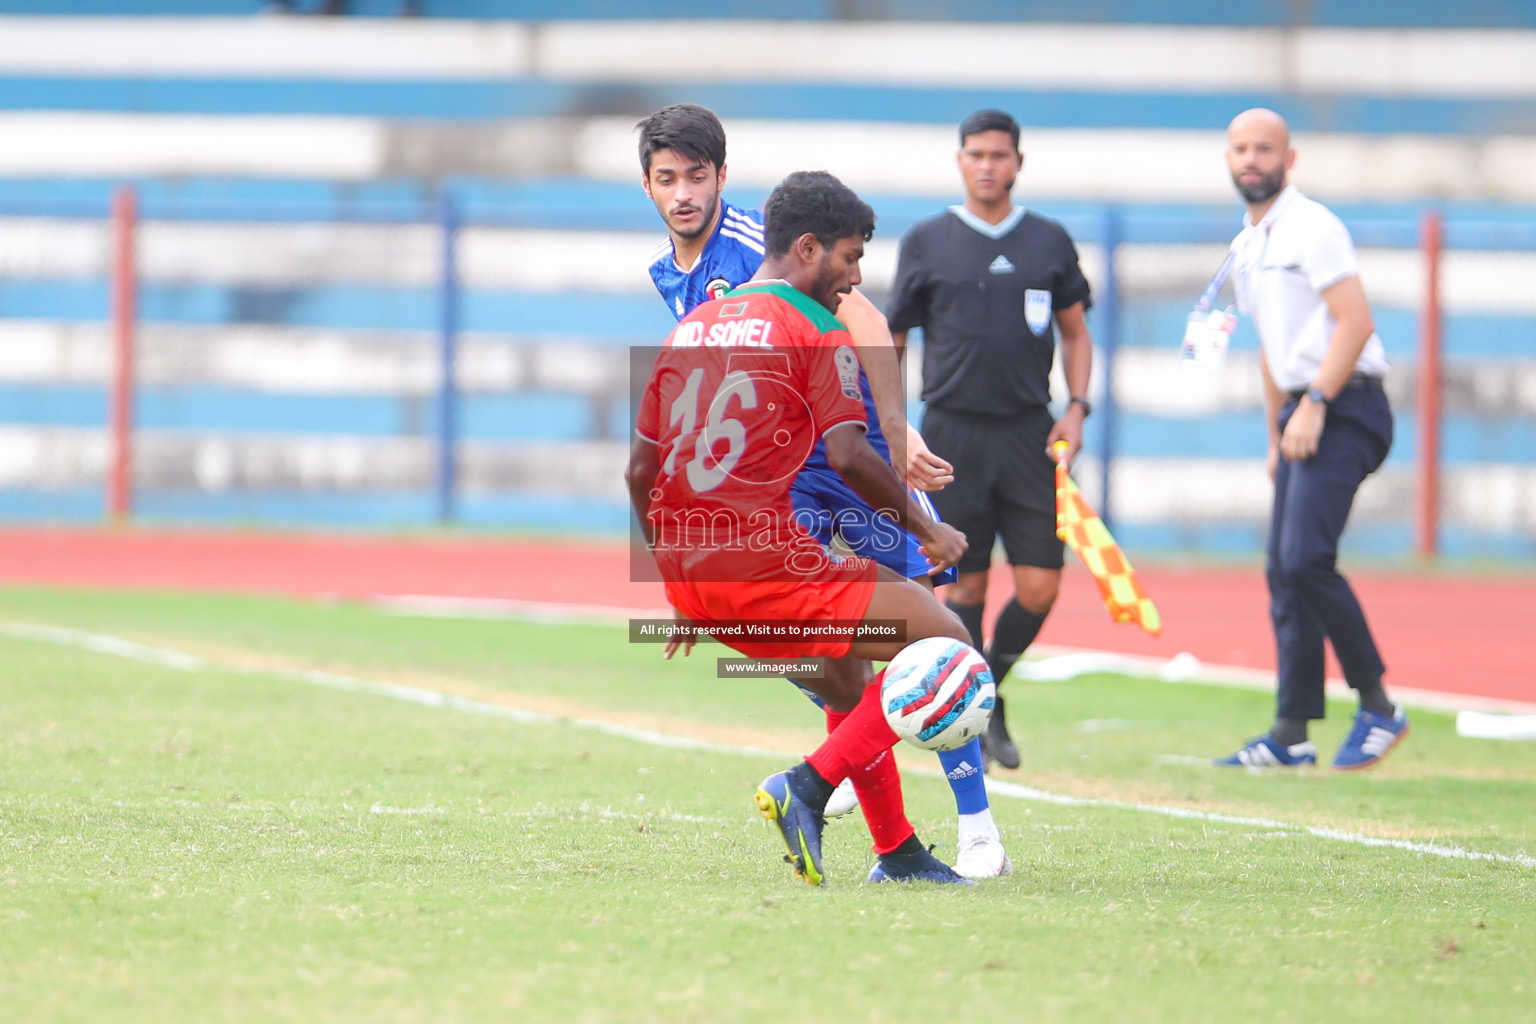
810, 693
963, 769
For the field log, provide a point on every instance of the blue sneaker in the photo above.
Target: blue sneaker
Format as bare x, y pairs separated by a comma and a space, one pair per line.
800, 823
1371, 738
1265, 752
922, 866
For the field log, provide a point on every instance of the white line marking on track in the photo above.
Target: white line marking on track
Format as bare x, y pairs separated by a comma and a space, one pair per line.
182, 661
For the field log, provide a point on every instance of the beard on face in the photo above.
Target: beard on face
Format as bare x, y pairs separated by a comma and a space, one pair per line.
706, 216
828, 283
1267, 187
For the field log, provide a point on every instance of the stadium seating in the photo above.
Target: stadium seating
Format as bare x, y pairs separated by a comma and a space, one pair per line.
291, 171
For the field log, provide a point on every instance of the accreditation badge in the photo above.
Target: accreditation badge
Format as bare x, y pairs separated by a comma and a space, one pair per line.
1208, 330
1205, 337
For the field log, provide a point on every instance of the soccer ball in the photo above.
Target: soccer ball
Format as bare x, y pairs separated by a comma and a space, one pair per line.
938, 693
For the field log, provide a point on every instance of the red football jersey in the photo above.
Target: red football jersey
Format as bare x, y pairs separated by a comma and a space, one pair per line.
739, 395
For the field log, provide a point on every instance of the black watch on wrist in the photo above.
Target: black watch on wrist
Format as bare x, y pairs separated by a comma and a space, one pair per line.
1315, 393
1087, 406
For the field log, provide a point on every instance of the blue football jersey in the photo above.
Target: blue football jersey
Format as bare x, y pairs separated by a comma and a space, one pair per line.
730, 258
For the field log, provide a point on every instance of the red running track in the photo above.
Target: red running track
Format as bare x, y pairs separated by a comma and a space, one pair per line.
1456, 635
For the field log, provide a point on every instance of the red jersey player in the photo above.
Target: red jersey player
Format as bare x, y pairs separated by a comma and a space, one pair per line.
737, 398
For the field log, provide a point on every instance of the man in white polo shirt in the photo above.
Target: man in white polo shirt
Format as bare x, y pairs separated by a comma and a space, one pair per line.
1330, 426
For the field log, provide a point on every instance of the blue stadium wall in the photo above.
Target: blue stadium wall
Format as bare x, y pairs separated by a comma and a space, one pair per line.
288, 367
1357, 13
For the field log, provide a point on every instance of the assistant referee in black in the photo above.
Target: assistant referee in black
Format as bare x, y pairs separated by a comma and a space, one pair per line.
992, 285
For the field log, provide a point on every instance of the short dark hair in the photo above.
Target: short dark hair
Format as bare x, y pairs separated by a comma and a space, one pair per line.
685, 128
990, 119
814, 202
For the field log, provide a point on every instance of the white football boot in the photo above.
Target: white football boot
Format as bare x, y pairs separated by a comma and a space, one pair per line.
842, 801
982, 856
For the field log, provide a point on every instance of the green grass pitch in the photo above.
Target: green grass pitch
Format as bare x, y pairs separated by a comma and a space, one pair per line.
223, 841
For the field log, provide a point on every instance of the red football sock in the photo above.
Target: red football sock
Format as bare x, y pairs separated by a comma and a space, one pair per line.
879, 787
855, 741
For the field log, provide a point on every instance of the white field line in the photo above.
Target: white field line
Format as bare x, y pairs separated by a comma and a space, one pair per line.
1185, 668
104, 644
1014, 789
119, 647
1192, 760
1181, 668
430, 606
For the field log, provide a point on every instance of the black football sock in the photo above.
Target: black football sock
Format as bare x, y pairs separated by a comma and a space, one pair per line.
1373, 697
970, 616
908, 846
819, 787
1015, 629
1289, 731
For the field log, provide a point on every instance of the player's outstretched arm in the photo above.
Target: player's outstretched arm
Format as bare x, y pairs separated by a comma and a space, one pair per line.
925, 470
640, 478
882, 365
850, 455
685, 633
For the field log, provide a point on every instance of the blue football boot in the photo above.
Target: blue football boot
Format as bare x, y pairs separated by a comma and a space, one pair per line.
921, 866
782, 800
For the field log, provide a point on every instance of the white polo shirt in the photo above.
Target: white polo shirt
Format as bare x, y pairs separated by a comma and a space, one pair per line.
1281, 268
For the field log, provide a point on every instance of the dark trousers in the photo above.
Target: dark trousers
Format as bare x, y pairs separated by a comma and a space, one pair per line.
1308, 598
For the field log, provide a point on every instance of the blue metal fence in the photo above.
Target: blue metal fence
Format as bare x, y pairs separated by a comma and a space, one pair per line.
1129, 321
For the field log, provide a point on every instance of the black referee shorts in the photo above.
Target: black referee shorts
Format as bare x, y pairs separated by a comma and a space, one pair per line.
1005, 485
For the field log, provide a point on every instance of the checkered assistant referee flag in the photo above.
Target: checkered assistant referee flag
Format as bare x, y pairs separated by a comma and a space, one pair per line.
1085, 533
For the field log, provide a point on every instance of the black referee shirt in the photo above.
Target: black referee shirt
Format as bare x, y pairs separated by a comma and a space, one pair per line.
985, 298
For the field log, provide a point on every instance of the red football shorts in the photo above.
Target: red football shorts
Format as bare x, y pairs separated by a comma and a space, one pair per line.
840, 591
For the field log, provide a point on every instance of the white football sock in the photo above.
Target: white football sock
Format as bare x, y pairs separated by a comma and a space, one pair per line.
979, 824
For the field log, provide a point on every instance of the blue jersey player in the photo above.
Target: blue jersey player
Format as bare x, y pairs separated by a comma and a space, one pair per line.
730, 254
712, 247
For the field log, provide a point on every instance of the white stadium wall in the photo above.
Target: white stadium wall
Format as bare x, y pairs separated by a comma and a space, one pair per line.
596, 71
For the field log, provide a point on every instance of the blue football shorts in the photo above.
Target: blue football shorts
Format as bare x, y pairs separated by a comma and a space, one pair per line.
825, 505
